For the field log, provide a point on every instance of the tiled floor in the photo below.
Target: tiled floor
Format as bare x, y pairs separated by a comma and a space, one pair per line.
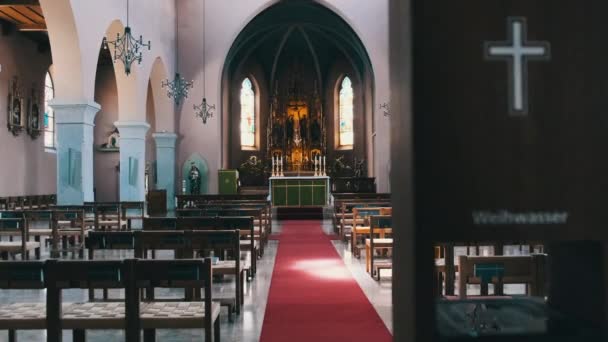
247, 327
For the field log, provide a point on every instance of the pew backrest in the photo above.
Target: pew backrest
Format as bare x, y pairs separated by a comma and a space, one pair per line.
159, 223
22, 275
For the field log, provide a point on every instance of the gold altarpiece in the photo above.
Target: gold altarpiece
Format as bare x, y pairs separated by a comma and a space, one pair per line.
296, 130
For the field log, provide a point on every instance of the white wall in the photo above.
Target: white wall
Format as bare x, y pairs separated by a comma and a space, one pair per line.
25, 168
225, 20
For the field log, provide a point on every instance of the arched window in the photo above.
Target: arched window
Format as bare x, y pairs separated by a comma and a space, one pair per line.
49, 114
346, 135
247, 114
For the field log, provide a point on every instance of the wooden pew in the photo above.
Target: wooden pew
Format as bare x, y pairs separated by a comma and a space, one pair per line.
381, 226
216, 211
500, 270
172, 240
243, 224
363, 214
22, 275
130, 211
79, 317
68, 224
225, 242
343, 218
16, 226
186, 201
154, 314
159, 223
107, 215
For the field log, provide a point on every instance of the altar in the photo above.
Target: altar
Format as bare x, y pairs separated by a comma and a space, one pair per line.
299, 191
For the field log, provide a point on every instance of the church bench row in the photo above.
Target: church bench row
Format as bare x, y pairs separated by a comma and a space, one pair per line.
234, 204
361, 226
444, 253
132, 314
261, 224
343, 217
184, 244
27, 202
500, 270
380, 238
60, 225
186, 201
244, 224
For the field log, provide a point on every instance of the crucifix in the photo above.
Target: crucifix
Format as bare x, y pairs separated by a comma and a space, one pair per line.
517, 51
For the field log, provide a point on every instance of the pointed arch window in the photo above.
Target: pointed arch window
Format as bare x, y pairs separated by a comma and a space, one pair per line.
49, 114
346, 135
248, 124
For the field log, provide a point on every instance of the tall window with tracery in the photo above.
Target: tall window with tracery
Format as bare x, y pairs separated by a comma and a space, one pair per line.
49, 114
247, 114
346, 135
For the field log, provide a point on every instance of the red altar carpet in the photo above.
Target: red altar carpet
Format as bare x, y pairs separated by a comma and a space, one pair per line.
313, 296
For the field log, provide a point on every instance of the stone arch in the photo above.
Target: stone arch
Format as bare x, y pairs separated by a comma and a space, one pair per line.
315, 19
203, 167
163, 105
128, 106
65, 49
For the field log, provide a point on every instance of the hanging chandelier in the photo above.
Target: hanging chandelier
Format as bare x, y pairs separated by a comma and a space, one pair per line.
204, 110
127, 49
178, 88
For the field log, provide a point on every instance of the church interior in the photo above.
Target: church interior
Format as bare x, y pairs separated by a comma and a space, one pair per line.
302, 170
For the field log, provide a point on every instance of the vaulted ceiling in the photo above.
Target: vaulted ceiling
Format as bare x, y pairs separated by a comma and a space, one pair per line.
299, 28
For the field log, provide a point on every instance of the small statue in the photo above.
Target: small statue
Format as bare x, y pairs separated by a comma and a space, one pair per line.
195, 180
113, 140
289, 128
277, 133
315, 132
304, 129
359, 168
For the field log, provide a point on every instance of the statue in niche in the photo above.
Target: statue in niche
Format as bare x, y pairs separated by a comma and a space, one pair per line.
315, 132
304, 129
359, 168
277, 133
195, 179
289, 128
113, 141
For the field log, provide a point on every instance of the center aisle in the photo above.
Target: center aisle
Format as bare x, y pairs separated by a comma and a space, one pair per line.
313, 296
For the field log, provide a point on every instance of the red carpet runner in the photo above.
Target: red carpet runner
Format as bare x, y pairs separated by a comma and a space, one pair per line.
313, 297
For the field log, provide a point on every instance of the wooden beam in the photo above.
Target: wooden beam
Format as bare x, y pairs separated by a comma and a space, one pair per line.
31, 27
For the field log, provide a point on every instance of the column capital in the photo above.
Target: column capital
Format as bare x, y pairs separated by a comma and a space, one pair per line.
132, 129
75, 112
165, 139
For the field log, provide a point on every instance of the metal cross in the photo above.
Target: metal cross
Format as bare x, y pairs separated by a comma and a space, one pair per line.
517, 51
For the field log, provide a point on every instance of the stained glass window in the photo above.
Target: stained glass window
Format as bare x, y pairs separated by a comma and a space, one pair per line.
247, 114
346, 113
49, 114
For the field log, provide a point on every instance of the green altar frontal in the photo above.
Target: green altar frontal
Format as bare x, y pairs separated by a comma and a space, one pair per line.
299, 191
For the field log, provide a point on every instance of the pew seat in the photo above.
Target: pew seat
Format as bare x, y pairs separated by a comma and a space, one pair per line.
23, 316
16, 247
93, 315
176, 315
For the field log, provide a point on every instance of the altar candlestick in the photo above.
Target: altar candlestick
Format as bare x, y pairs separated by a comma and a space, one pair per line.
324, 166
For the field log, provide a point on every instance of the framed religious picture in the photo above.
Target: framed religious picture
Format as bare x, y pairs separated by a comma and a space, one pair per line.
33, 115
14, 120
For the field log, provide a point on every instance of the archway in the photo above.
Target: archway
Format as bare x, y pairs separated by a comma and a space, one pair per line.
314, 42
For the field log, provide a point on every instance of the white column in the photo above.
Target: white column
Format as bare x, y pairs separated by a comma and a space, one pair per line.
165, 165
74, 129
132, 159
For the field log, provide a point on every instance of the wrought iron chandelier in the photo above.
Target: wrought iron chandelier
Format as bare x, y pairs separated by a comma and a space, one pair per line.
204, 110
126, 48
178, 88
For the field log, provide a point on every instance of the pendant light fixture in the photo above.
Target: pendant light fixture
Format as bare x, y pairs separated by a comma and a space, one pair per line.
204, 110
126, 48
178, 88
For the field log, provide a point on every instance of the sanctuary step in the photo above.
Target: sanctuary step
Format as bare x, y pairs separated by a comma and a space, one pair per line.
253, 190
299, 213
